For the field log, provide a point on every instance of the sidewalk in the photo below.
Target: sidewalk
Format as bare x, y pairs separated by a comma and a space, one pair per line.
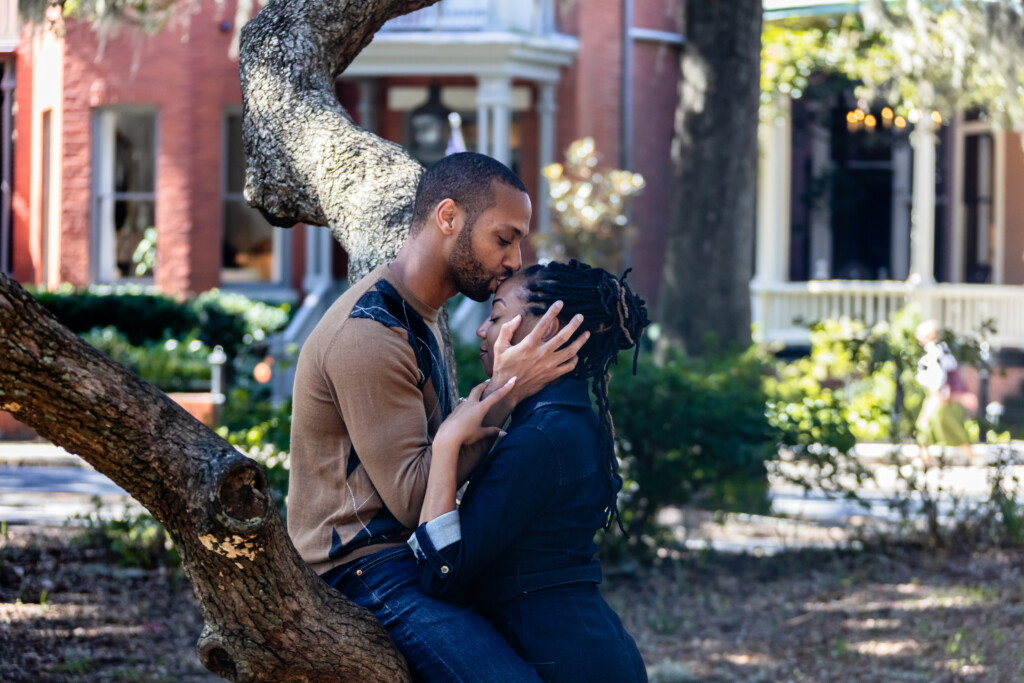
43, 484
37, 453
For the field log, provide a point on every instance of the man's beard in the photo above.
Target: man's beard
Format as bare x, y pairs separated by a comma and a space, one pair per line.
471, 278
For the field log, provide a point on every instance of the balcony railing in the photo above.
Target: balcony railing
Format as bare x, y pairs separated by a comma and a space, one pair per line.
9, 25
785, 310
516, 16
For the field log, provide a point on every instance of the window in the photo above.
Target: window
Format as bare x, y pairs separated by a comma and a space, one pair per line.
979, 223
124, 194
252, 251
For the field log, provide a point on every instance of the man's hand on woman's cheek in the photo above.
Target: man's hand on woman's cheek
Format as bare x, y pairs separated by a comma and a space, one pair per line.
539, 358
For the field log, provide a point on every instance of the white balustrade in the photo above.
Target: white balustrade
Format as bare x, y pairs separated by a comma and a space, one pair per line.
9, 24
518, 16
787, 309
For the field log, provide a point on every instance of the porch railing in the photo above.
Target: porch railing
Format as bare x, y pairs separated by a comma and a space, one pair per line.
9, 25
517, 16
784, 311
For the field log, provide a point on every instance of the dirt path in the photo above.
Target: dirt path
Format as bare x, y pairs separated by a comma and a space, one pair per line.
67, 614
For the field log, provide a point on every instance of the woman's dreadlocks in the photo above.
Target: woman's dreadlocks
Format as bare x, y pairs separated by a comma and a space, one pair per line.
615, 318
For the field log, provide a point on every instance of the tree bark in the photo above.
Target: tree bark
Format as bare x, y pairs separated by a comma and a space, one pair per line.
268, 616
705, 293
307, 161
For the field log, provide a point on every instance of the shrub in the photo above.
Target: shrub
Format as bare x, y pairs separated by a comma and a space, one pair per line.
215, 318
261, 430
691, 430
142, 316
135, 540
170, 365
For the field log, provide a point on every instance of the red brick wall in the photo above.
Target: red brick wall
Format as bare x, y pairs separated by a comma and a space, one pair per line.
185, 75
655, 94
590, 102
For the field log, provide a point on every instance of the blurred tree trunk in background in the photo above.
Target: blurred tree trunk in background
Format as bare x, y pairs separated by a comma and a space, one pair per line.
710, 253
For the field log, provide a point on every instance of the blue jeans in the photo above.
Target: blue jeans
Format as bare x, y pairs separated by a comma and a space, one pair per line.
441, 641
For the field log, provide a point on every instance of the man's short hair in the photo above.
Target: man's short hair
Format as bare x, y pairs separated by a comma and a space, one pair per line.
466, 178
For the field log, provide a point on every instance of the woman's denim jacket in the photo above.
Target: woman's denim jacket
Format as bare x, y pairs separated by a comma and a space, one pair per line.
528, 517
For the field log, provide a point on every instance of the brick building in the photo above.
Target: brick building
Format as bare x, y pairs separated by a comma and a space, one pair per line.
129, 138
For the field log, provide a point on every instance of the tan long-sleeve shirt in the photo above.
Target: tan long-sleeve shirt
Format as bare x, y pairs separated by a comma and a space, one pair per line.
371, 389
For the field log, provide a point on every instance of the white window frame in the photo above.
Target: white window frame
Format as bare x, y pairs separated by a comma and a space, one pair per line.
278, 288
101, 240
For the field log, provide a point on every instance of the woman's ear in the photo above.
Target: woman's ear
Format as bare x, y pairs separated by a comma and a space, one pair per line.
552, 330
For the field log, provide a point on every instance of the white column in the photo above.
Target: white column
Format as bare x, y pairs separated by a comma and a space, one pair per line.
318, 257
899, 240
546, 108
922, 220
497, 94
483, 118
820, 248
772, 241
774, 183
368, 104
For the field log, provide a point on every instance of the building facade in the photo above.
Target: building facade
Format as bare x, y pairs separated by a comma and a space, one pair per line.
129, 163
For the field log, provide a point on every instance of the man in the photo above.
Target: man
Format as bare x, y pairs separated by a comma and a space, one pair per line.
371, 389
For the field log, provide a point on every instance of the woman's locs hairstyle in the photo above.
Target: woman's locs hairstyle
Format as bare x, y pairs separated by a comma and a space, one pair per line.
615, 318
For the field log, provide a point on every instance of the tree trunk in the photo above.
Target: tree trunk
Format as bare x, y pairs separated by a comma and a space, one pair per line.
705, 294
307, 161
268, 616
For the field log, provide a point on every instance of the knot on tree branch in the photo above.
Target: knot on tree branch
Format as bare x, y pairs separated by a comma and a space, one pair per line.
235, 511
214, 655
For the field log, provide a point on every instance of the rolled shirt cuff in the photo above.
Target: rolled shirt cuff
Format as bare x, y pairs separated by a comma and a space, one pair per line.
436, 535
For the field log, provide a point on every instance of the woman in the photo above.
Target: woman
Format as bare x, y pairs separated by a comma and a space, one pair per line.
942, 417
520, 545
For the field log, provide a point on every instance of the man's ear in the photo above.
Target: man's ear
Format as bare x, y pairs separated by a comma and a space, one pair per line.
445, 213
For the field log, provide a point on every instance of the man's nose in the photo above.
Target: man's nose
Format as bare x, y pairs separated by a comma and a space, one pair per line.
514, 261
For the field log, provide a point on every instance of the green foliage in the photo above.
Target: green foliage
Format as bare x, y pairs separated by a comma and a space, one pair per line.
234, 320
170, 365
691, 431
261, 430
470, 369
134, 540
943, 55
858, 385
590, 209
215, 318
140, 314
144, 256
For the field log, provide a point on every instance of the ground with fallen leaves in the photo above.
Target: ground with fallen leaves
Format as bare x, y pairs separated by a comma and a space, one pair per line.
69, 613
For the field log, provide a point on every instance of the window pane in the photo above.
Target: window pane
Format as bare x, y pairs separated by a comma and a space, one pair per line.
132, 252
134, 152
235, 181
248, 252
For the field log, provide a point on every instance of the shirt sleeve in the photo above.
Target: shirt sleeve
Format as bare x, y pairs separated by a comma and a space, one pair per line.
373, 376
508, 492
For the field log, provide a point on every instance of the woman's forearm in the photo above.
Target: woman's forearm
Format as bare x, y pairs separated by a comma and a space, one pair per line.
442, 484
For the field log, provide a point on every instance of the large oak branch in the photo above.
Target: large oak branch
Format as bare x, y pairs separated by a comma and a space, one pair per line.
307, 161
268, 616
